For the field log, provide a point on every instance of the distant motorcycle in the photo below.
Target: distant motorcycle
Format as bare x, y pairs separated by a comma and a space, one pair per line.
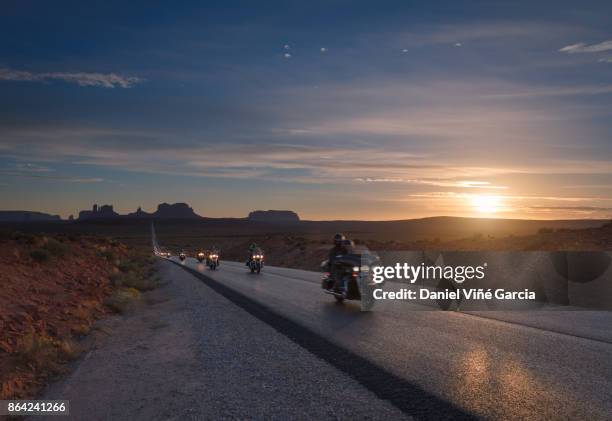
213, 260
350, 278
182, 256
256, 262
200, 256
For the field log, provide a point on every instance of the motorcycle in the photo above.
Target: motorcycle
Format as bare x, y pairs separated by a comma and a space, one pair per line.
200, 256
213, 260
350, 278
256, 262
182, 256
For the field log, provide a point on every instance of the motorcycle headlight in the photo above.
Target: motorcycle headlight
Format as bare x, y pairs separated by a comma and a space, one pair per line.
355, 268
365, 268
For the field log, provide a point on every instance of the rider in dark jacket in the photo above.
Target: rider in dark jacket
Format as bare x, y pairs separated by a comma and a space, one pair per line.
341, 247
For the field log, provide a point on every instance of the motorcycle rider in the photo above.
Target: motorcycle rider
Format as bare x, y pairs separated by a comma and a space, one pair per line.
252, 249
213, 250
341, 247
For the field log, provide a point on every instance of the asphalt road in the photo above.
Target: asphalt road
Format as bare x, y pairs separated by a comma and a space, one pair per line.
494, 365
187, 353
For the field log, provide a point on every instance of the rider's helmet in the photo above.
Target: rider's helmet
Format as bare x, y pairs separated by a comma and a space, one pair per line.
339, 239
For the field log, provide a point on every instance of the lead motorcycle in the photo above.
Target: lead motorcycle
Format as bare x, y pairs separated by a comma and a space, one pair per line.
256, 261
182, 256
200, 256
350, 278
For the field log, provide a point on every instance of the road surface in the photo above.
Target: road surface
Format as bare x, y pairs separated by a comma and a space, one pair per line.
495, 365
188, 353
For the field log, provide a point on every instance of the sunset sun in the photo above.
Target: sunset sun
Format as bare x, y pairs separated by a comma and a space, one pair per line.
486, 204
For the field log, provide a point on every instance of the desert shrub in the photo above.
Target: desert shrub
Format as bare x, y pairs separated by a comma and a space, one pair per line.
55, 248
38, 350
39, 255
116, 279
81, 329
107, 254
26, 238
136, 272
121, 299
69, 349
133, 280
142, 280
46, 353
126, 266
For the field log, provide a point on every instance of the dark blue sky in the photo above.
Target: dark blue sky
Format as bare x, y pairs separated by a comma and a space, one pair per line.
335, 109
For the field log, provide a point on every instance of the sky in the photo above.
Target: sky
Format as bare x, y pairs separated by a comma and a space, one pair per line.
334, 109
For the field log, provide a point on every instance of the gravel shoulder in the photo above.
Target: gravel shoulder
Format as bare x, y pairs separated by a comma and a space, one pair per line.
189, 353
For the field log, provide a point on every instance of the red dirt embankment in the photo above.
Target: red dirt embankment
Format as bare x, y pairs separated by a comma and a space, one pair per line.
51, 291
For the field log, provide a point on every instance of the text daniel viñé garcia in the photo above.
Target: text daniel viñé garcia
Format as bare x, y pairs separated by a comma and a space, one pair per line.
458, 274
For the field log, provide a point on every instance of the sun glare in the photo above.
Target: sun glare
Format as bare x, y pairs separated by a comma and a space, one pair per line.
486, 204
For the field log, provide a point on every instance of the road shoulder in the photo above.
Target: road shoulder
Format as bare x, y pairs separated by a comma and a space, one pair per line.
191, 354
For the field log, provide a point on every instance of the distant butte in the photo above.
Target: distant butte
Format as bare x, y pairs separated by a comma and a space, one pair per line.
175, 211
164, 211
274, 216
26, 216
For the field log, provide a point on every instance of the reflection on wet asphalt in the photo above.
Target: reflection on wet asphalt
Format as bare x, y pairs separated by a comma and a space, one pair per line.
493, 368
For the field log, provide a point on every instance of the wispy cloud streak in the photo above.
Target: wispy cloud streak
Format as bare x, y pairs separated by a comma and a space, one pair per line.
102, 80
581, 47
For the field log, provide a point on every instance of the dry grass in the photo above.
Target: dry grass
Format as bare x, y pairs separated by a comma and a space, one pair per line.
44, 353
39, 255
122, 299
46, 247
66, 289
136, 272
81, 329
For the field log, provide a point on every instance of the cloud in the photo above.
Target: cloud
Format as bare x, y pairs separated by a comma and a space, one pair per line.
435, 182
70, 179
36, 171
553, 91
605, 60
287, 55
103, 80
581, 47
32, 168
448, 194
571, 208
